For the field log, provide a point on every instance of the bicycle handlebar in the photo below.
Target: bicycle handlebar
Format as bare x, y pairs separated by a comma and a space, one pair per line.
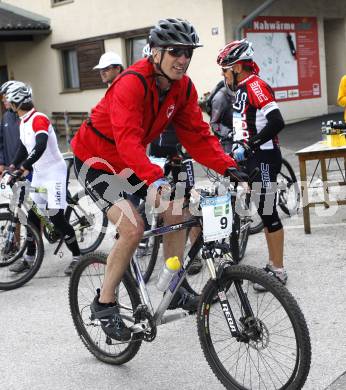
16, 175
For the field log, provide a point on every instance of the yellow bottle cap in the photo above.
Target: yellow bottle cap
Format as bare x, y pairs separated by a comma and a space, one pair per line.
173, 263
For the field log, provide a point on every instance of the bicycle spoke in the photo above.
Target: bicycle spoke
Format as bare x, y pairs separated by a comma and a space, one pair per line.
265, 354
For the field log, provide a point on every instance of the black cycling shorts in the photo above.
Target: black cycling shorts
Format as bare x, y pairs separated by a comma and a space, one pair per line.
264, 186
106, 188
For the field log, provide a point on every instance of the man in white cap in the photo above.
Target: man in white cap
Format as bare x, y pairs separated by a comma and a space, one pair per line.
110, 65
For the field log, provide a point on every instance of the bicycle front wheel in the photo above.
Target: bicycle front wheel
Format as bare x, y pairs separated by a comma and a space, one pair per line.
88, 221
86, 277
273, 348
12, 248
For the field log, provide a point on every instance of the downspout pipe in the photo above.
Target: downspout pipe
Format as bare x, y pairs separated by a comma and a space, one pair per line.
249, 18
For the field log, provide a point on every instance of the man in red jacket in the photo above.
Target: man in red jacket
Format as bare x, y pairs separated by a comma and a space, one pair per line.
136, 108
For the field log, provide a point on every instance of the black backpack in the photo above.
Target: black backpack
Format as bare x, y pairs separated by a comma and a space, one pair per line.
208, 103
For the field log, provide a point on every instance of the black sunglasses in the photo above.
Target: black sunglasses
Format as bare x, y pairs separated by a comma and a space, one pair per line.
178, 51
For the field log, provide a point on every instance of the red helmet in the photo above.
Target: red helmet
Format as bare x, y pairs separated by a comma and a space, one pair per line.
234, 52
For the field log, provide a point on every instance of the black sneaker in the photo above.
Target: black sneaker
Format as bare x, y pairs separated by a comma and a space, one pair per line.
184, 300
195, 266
20, 265
69, 269
110, 319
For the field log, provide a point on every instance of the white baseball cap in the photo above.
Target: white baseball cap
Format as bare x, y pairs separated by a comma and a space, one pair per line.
107, 59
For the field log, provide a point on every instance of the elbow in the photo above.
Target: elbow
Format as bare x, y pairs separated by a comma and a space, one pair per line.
280, 124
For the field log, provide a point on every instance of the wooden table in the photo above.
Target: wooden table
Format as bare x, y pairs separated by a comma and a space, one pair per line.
318, 151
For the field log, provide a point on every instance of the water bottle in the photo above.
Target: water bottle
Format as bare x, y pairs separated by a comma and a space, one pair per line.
324, 131
169, 269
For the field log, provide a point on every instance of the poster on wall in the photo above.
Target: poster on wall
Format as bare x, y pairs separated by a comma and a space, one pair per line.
286, 50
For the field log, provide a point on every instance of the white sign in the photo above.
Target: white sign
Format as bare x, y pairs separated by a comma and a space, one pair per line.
217, 217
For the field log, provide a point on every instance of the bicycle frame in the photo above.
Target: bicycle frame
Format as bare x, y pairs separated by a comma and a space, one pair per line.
158, 315
178, 278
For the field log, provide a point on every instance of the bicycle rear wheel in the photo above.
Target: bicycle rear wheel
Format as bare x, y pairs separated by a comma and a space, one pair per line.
239, 237
273, 349
12, 249
86, 277
256, 224
88, 221
288, 192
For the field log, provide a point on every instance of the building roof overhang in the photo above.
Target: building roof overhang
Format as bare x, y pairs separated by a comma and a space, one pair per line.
19, 24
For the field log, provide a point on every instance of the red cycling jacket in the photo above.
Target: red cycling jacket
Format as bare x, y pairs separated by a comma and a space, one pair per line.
131, 116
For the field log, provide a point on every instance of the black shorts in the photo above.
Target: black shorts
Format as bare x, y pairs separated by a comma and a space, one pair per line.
106, 188
265, 183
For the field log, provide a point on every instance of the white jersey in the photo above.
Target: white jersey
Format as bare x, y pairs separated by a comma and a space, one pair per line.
49, 171
33, 123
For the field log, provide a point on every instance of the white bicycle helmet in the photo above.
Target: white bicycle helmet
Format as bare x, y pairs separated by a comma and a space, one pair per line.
5, 86
18, 93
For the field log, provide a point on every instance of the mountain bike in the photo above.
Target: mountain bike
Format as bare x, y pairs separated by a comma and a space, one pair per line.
88, 221
250, 340
89, 231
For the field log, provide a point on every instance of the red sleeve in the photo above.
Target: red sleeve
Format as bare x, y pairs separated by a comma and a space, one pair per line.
260, 94
126, 107
40, 123
195, 136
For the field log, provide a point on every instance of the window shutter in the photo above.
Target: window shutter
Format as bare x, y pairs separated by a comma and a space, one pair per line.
88, 56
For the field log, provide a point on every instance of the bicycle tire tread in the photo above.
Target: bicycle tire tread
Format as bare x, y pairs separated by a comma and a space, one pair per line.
294, 311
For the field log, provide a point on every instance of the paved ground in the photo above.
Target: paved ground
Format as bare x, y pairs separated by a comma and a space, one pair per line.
41, 350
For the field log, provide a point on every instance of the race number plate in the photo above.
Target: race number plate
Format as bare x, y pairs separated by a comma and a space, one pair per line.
217, 217
5, 189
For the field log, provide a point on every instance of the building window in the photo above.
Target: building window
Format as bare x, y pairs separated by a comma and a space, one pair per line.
78, 62
134, 47
60, 2
70, 69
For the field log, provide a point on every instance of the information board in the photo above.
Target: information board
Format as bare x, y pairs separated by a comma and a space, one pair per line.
286, 50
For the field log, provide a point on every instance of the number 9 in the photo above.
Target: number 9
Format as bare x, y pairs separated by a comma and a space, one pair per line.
223, 222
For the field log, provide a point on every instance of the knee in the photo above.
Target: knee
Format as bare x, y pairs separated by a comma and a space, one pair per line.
133, 232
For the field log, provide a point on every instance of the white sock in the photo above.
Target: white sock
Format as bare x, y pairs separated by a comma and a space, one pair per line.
277, 269
29, 259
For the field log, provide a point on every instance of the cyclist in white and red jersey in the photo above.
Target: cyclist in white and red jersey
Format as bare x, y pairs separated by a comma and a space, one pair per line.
141, 102
257, 121
38, 151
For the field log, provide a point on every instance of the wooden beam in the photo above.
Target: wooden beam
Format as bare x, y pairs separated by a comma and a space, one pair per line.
123, 34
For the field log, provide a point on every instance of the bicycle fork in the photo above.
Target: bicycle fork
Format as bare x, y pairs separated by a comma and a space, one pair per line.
248, 319
10, 234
